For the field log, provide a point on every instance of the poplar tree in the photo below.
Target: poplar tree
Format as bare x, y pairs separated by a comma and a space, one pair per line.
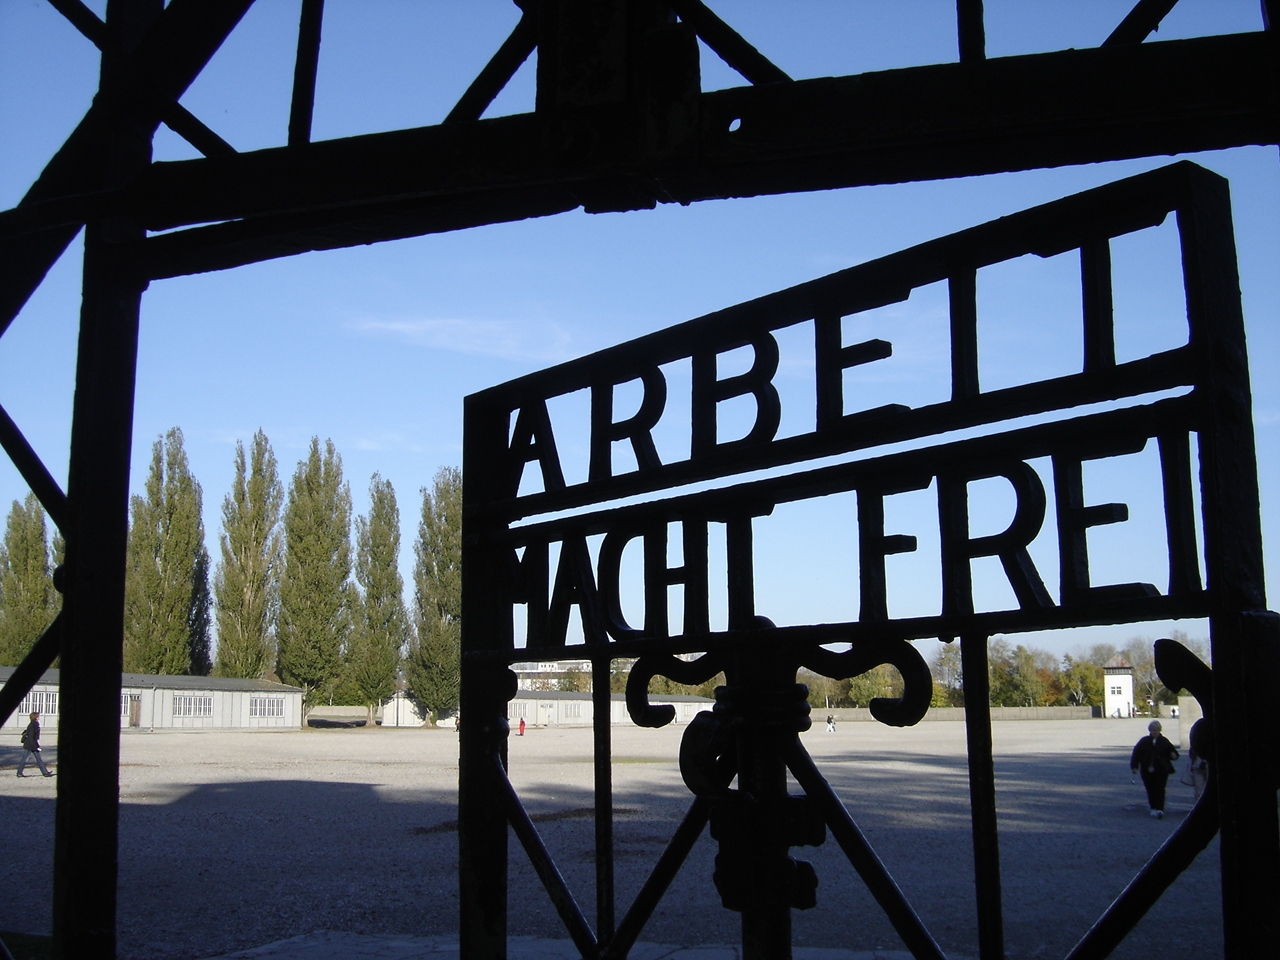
315, 588
247, 583
432, 668
166, 613
382, 626
28, 602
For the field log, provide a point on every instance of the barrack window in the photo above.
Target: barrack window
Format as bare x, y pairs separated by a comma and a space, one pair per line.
266, 706
189, 706
44, 702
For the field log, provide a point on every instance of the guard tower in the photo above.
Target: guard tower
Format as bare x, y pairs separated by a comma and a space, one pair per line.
1118, 695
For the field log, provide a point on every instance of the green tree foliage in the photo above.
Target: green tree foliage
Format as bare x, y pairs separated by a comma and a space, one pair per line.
1081, 682
432, 667
247, 583
948, 687
198, 621
166, 626
881, 681
621, 670
28, 602
574, 681
315, 589
823, 691
1016, 678
382, 627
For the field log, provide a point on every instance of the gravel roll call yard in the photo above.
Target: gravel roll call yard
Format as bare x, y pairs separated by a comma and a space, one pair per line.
232, 840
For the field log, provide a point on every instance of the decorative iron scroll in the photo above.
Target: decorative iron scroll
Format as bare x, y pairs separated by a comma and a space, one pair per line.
1189, 404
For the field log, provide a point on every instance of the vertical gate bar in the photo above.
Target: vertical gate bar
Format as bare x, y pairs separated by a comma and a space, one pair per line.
482, 820
1244, 638
972, 32
305, 65
485, 690
762, 774
602, 721
982, 795
1099, 311
86, 816
962, 291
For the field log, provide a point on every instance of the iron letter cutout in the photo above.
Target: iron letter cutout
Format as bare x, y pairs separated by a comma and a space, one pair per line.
551, 543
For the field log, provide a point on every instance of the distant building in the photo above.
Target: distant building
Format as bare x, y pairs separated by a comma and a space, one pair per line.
158, 702
1118, 693
402, 711
554, 708
549, 674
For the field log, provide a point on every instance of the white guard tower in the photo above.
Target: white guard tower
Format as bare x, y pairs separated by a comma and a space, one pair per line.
1118, 693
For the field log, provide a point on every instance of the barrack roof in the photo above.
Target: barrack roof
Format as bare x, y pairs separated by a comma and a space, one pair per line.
175, 682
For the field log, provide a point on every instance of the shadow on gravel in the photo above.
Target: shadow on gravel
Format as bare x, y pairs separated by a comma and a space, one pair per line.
226, 866
327, 723
1073, 832
22, 946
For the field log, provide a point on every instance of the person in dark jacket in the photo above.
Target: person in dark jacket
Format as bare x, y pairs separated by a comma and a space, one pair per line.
1153, 757
31, 746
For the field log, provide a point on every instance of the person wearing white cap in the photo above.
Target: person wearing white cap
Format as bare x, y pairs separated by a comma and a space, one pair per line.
1153, 757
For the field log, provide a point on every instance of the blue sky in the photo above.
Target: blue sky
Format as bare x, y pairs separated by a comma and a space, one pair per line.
375, 347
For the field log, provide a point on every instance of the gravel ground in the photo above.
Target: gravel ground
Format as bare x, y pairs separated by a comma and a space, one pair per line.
231, 840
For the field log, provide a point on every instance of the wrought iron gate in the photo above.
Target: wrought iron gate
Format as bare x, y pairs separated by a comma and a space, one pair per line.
1191, 403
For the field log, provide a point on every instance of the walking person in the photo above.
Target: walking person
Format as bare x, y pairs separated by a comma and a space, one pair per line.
1153, 757
31, 746
831, 724
521, 726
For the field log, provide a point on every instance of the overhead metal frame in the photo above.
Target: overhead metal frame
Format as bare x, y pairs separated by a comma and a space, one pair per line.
640, 132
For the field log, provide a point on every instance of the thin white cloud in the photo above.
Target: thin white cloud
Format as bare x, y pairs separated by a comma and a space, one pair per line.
504, 339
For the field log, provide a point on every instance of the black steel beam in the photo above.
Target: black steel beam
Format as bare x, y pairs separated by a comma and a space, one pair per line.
172, 55
1142, 21
86, 816
28, 673
932, 122
497, 73
33, 470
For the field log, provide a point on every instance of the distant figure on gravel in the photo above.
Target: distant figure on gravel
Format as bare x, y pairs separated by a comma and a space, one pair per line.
1153, 757
522, 726
31, 746
831, 724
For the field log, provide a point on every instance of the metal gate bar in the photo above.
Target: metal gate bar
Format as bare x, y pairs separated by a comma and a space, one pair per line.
982, 795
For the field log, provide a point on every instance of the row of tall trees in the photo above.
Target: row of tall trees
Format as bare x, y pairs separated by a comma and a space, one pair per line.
289, 597
28, 601
1018, 675
166, 598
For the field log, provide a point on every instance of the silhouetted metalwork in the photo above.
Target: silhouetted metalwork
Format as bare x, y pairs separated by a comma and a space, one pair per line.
521, 511
621, 123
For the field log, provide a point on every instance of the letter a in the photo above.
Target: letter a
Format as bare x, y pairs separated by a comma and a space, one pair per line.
532, 439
